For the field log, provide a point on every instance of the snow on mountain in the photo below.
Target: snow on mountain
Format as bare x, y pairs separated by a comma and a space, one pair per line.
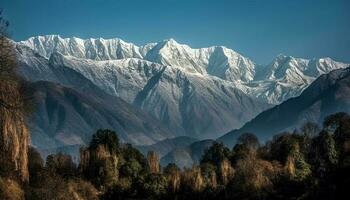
282, 79
96, 49
287, 77
328, 94
197, 92
189, 103
218, 61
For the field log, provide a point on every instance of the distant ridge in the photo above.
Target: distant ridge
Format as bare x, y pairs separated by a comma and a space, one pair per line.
328, 94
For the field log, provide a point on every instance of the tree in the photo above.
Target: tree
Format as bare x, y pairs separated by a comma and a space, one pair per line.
153, 162
310, 129
252, 178
192, 180
336, 121
239, 151
36, 166
216, 154
172, 172
283, 145
133, 163
131, 169
105, 137
208, 171
171, 168
290, 150
100, 162
324, 155
14, 135
61, 164
249, 140
339, 124
296, 165
153, 186
226, 171
10, 190
8, 61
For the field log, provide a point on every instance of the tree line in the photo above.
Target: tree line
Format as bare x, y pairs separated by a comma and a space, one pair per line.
310, 163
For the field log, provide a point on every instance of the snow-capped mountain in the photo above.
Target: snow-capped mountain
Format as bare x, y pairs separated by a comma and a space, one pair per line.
96, 49
218, 61
287, 77
188, 103
283, 78
197, 92
328, 94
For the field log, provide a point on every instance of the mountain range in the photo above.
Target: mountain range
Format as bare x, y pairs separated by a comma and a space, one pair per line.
269, 83
327, 95
188, 102
165, 89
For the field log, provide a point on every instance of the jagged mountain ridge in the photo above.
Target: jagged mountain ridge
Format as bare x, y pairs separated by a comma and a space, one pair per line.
214, 60
328, 94
188, 103
283, 78
197, 92
287, 77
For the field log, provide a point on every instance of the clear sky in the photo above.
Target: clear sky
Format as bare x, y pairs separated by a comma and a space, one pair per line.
259, 29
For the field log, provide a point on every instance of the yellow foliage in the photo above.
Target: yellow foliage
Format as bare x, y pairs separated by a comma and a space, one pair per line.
82, 190
10, 190
193, 178
174, 180
153, 162
254, 173
227, 171
14, 135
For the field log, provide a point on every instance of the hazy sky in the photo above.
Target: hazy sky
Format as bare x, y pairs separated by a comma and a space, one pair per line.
259, 29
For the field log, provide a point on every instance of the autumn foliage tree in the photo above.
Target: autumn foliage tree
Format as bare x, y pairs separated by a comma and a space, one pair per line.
14, 135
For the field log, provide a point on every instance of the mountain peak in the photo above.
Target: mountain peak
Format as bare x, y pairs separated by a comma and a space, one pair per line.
169, 42
282, 56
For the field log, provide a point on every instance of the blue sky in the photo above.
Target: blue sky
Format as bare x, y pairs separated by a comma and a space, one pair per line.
259, 29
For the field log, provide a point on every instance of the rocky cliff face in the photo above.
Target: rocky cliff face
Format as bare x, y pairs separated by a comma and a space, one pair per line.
14, 135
